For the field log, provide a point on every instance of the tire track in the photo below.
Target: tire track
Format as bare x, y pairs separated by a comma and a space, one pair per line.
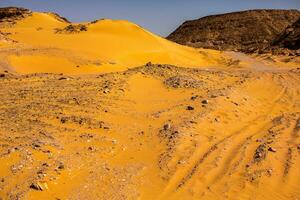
182, 176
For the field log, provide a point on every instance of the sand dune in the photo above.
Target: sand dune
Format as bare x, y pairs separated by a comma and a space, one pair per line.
105, 44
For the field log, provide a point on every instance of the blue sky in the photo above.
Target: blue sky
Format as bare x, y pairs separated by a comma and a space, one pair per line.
158, 16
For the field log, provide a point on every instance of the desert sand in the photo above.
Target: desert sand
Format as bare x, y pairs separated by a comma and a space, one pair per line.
46, 45
108, 110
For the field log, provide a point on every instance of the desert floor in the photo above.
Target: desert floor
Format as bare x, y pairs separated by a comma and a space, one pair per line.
153, 132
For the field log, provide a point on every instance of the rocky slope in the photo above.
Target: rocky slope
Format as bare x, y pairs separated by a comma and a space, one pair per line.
13, 13
244, 31
288, 42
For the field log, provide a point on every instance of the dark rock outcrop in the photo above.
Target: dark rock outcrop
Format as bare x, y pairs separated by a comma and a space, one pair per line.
246, 31
290, 37
71, 29
13, 13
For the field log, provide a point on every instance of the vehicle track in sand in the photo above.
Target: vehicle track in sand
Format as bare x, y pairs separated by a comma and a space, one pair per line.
241, 139
138, 133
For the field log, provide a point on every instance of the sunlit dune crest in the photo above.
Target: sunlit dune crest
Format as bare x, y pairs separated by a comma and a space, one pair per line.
101, 45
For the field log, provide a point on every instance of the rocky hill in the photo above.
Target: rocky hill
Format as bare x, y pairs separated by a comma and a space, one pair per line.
13, 13
288, 39
245, 31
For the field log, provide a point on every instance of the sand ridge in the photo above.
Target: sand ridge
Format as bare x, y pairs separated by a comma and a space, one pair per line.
109, 43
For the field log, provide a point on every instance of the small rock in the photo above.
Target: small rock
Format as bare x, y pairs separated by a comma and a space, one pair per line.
45, 164
114, 141
36, 145
260, 153
62, 78
190, 108
91, 148
2, 75
298, 147
61, 166
271, 149
235, 103
269, 171
63, 120
149, 64
194, 97
20, 167
11, 150
39, 186
167, 126
35, 186
204, 101
181, 162
106, 91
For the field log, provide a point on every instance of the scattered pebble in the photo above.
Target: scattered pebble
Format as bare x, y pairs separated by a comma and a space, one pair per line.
91, 149
63, 120
269, 171
61, 166
149, 64
190, 108
167, 126
194, 97
106, 91
204, 101
39, 186
271, 149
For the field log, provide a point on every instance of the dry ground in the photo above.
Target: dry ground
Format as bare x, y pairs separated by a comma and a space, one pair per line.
153, 132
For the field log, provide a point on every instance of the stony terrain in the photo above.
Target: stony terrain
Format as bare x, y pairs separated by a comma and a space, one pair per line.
153, 132
246, 31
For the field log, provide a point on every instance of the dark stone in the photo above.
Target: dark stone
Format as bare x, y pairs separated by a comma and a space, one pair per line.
271, 149
167, 126
204, 101
190, 108
61, 166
